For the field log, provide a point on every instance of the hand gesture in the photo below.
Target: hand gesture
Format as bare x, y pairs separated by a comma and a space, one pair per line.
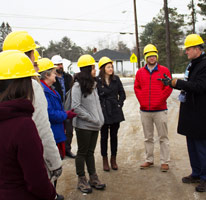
166, 81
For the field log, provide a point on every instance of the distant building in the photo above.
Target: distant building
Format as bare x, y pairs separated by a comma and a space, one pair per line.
121, 61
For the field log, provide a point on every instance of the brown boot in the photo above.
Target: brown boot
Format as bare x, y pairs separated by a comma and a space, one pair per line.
95, 182
113, 163
105, 163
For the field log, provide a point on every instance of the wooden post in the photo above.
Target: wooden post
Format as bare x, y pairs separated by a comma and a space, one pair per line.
168, 49
136, 33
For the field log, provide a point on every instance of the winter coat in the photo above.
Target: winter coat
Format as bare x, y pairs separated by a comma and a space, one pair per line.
57, 86
22, 170
112, 98
41, 120
150, 92
88, 109
57, 115
192, 115
67, 83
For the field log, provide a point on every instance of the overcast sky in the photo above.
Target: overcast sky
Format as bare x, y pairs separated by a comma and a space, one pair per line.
85, 22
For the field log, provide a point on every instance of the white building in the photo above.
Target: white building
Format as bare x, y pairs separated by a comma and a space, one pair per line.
121, 62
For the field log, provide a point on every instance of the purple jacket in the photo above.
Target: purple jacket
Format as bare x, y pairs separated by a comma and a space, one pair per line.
22, 171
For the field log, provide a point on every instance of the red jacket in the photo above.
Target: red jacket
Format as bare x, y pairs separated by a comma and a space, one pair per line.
23, 175
150, 92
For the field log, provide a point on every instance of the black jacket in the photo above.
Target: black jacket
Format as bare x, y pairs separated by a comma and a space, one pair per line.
67, 83
192, 116
112, 99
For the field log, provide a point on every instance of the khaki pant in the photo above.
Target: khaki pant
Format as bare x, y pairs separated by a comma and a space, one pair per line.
160, 121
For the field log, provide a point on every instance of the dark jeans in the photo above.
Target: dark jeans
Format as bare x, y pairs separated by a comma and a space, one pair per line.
69, 134
197, 155
113, 138
86, 141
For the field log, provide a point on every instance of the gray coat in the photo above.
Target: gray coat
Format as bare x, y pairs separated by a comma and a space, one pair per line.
41, 120
88, 109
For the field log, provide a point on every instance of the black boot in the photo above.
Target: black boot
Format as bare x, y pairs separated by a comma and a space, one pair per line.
202, 186
59, 197
70, 154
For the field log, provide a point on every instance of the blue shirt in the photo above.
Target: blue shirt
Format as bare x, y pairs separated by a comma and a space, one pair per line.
154, 69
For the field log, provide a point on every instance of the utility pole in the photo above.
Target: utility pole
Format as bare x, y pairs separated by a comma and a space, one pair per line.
168, 48
193, 17
136, 33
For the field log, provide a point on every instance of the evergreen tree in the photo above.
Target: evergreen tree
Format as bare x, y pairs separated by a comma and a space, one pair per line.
90, 50
202, 6
122, 47
154, 33
192, 17
66, 48
5, 29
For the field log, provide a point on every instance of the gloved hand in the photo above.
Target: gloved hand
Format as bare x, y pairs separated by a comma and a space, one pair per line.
71, 114
168, 81
56, 174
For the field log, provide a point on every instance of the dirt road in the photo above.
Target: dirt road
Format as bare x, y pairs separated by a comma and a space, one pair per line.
129, 182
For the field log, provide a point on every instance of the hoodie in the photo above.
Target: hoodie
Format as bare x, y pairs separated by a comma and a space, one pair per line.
22, 171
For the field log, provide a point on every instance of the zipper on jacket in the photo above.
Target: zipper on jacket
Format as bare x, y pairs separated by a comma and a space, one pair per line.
150, 90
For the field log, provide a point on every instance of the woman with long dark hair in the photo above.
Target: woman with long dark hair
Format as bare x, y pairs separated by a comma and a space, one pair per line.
88, 122
23, 41
112, 96
22, 169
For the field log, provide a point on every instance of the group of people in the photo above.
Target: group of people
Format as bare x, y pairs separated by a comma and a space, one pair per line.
40, 105
38, 128
153, 85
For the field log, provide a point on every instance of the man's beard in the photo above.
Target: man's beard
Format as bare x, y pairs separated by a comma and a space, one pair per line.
60, 71
152, 63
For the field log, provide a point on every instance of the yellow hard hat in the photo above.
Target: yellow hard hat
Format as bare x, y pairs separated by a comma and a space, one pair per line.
15, 64
19, 40
36, 55
45, 64
193, 40
150, 54
150, 48
104, 60
85, 60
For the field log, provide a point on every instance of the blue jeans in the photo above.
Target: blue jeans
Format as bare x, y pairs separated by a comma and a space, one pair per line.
197, 155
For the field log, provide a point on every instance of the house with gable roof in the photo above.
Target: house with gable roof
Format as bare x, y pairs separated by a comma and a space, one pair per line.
121, 61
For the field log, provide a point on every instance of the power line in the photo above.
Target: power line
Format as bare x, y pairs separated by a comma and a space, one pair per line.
49, 29
62, 19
